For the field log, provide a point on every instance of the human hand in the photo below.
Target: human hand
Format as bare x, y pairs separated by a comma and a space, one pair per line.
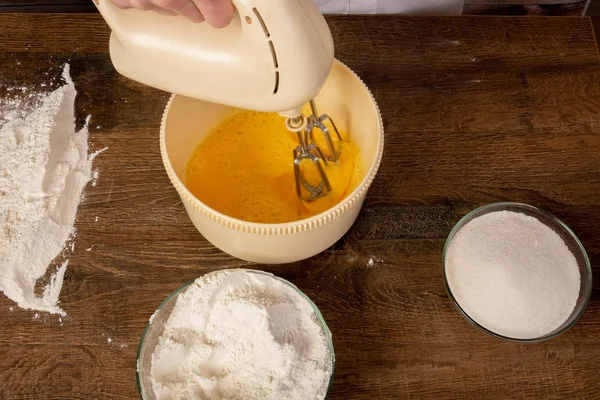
218, 13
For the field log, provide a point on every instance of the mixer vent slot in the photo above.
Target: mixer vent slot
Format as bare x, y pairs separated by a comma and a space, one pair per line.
271, 46
275, 62
262, 22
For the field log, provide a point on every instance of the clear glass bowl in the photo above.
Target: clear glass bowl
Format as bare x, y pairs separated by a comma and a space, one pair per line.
156, 325
570, 240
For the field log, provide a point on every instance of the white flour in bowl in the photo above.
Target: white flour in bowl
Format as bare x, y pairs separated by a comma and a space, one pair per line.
239, 335
44, 167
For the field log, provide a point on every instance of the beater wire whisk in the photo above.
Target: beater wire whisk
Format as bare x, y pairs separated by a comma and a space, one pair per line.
310, 151
307, 152
316, 121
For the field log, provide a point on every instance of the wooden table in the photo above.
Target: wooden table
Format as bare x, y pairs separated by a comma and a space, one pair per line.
476, 110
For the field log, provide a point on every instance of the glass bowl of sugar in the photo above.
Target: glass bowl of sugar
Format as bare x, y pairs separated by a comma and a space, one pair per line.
236, 333
516, 272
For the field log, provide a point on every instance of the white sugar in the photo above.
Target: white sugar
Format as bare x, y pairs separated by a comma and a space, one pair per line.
513, 275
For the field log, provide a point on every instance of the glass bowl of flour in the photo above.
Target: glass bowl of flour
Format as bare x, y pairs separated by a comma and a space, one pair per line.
236, 334
516, 272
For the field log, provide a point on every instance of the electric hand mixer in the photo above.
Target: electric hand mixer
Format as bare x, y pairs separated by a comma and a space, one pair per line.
274, 57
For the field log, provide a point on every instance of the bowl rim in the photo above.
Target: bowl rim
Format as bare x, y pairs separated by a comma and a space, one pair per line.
182, 288
485, 209
288, 227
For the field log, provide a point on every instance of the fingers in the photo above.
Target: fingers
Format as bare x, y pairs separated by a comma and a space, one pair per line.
142, 4
218, 13
150, 5
191, 12
185, 8
164, 11
122, 3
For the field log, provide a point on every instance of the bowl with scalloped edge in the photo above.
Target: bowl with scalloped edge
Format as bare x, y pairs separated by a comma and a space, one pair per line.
187, 121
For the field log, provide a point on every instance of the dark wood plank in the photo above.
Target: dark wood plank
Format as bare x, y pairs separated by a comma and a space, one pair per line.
527, 7
596, 26
47, 6
593, 9
475, 109
4, 3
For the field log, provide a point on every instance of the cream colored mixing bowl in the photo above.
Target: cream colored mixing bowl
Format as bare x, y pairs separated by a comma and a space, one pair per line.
348, 101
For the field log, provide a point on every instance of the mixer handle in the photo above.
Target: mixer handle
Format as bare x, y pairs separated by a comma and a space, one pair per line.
112, 14
274, 56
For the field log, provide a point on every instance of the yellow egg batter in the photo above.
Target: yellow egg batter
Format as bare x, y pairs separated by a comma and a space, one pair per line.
244, 169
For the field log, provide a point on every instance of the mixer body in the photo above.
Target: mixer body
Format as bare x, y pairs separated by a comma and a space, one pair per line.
274, 57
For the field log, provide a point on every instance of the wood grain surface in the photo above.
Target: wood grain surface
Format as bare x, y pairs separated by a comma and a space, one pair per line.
47, 6
526, 7
476, 110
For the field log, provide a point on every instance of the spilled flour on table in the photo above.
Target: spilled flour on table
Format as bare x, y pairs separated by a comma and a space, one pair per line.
44, 167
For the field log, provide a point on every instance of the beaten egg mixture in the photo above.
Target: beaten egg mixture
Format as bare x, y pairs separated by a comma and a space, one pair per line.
244, 168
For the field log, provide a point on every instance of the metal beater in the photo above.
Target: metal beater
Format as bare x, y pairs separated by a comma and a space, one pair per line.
308, 150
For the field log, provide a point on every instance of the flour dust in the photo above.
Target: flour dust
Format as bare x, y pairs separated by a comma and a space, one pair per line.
44, 167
